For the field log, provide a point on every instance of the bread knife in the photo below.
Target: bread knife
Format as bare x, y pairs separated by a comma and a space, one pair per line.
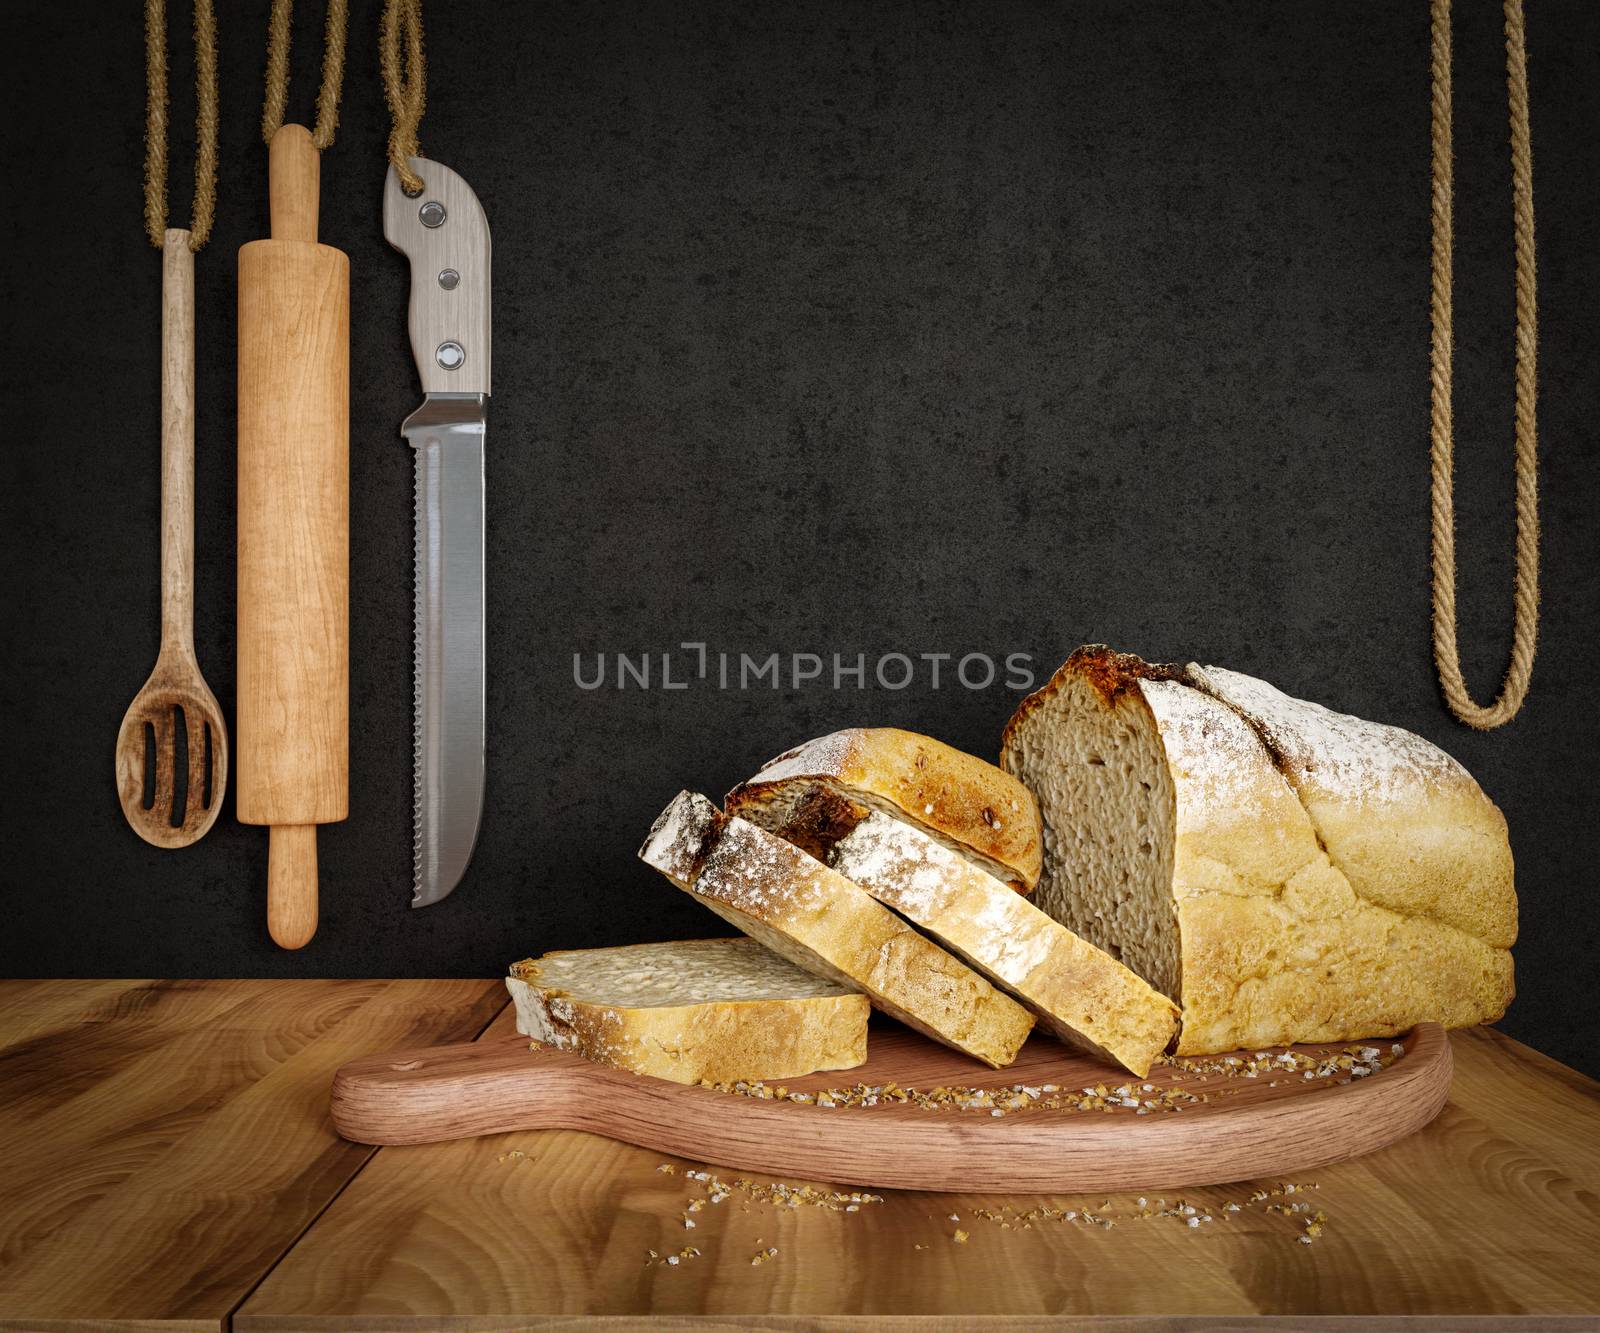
444, 233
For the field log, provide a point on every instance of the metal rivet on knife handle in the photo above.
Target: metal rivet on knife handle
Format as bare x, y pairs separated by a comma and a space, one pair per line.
432, 214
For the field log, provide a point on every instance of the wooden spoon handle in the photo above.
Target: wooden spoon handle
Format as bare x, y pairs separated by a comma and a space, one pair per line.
177, 443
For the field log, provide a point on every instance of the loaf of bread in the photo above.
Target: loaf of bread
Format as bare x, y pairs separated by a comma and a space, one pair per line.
1081, 993
815, 793
822, 922
690, 1011
1286, 873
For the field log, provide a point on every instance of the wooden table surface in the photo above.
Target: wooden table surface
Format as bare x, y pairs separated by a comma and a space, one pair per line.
169, 1162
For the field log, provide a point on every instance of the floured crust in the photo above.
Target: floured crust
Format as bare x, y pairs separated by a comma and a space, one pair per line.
1308, 907
816, 793
1083, 995
1403, 821
819, 920
690, 1011
1277, 944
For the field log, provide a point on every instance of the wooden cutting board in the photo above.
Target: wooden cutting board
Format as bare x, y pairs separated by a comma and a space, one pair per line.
1226, 1126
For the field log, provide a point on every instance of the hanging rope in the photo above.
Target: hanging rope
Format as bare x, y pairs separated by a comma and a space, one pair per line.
155, 122
406, 96
1525, 623
335, 27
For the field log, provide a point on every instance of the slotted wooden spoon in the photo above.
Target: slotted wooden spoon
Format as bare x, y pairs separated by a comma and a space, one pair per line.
166, 806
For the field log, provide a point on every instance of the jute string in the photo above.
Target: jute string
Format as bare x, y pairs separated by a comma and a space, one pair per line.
155, 122
1525, 624
335, 27
405, 92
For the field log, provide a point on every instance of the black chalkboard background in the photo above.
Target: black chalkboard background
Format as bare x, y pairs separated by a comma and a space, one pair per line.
820, 327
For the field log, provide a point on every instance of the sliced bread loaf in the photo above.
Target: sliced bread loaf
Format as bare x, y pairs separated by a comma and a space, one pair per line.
1174, 841
1081, 993
815, 793
1402, 820
818, 919
690, 1011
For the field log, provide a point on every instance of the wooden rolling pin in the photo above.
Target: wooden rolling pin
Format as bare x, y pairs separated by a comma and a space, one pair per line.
293, 712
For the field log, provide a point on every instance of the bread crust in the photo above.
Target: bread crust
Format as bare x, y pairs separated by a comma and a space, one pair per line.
1282, 938
716, 1041
1082, 994
816, 793
821, 921
1403, 821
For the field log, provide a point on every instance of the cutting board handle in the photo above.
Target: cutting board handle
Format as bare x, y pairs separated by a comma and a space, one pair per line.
294, 185
490, 1086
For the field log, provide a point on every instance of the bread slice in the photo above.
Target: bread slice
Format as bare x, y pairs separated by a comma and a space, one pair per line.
815, 793
1174, 841
690, 1011
1082, 994
818, 919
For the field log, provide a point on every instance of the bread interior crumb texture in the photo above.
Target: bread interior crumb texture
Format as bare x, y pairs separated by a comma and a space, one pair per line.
679, 972
1107, 801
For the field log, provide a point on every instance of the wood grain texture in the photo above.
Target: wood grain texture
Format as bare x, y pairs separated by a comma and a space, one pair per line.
471, 1235
977, 1323
166, 1141
293, 706
174, 1145
294, 184
1472, 1215
176, 685
292, 884
1248, 1128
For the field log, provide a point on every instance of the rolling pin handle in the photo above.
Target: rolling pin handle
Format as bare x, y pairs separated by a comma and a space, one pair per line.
294, 169
292, 884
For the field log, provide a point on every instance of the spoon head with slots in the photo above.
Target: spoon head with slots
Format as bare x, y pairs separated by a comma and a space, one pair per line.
172, 756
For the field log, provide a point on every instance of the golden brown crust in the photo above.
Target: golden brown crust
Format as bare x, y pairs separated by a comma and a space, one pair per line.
1082, 994
1278, 944
816, 793
708, 1043
1401, 819
1344, 886
823, 922
713, 1010
1114, 676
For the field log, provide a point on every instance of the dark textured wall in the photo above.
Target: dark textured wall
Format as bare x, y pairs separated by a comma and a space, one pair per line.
908, 327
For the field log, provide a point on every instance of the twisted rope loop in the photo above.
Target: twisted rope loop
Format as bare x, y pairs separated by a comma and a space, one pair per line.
1525, 623
155, 122
407, 93
335, 27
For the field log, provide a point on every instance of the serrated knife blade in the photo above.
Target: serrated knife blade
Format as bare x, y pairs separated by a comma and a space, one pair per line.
446, 237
